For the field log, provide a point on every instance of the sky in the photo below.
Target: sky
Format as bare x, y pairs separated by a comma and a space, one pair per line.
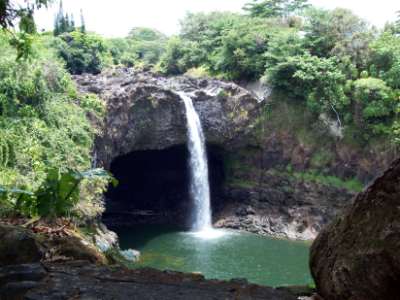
115, 18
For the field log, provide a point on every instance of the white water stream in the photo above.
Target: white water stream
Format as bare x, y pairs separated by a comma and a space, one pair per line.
199, 184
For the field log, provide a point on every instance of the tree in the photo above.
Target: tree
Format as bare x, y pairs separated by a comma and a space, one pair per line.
44, 123
10, 11
385, 59
265, 8
338, 33
57, 196
282, 45
83, 24
63, 22
397, 23
122, 52
317, 81
242, 51
374, 105
147, 44
82, 53
231, 45
275, 8
179, 56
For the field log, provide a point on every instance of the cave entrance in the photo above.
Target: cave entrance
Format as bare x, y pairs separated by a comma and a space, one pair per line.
154, 187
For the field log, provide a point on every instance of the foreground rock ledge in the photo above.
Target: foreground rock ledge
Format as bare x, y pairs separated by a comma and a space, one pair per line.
80, 280
357, 257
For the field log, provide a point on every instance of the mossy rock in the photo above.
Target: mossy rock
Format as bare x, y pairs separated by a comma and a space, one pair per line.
18, 246
75, 248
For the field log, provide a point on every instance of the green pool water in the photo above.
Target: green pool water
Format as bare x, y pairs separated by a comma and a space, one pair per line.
259, 259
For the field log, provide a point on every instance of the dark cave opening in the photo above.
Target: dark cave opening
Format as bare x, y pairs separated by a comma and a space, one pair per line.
154, 186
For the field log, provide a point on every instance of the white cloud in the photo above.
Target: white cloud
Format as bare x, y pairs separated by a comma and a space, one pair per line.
117, 17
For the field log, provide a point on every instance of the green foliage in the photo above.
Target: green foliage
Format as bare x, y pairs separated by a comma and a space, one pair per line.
374, 105
241, 53
316, 80
122, 52
334, 66
284, 44
338, 33
385, 59
10, 11
142, 48
198, 72
63, 22
56, 197
349, 184
147, 44
93, 104
231, 46
82, 52
41, 125
275, 8
396, 132
179, 56
83, 23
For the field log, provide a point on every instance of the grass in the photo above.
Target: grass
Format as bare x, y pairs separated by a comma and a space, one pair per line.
241, 183
329, 180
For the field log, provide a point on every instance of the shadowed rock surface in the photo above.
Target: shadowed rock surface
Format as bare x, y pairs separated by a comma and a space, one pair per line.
282, 207
18, 246
144, 111
358, 256
80, 280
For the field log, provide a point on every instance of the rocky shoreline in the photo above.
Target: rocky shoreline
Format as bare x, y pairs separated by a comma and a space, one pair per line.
81, 280
54, 264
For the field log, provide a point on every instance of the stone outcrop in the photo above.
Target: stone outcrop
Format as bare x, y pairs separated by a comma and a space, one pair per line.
281, 206
80, 280
145, 112
357, 257
18, 246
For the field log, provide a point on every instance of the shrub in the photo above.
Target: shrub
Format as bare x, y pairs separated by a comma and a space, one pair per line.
56, 197
82, 52
374, 105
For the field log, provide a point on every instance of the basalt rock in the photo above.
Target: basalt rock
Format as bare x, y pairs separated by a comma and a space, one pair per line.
80, 280
280, 206
357, 257
145, 112
18, 246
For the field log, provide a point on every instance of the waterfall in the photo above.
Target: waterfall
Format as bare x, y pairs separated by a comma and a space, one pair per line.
199, 184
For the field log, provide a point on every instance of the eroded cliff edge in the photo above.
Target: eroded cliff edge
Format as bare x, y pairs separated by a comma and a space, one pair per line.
265, 185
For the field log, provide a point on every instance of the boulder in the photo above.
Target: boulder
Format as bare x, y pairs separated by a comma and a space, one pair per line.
18, 246
358, 255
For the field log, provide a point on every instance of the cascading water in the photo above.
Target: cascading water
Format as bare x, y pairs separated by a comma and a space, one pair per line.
199, 184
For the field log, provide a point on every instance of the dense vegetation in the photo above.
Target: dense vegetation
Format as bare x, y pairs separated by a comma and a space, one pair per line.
44, 128
330, 62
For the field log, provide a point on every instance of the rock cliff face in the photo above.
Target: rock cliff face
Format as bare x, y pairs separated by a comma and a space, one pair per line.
358, 256
280, 206
145, 123
144, 111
